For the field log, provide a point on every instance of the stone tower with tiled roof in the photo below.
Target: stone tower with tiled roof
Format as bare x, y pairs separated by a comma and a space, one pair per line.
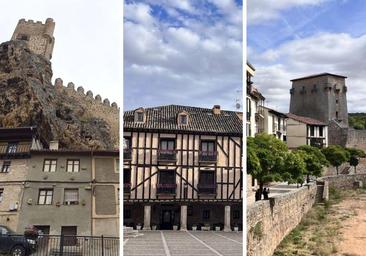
322, 97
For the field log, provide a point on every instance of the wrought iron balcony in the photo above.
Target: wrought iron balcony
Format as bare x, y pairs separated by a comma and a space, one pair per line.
21, 151
127, 154
208, 156
126, 188
167, 155
206, 188
166, 188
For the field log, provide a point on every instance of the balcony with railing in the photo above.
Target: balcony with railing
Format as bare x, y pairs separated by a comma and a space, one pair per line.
166, 188
165, 155
208, 156
127, 154
207, 189
18, 151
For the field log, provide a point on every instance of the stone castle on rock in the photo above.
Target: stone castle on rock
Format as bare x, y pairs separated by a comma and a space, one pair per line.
28, 97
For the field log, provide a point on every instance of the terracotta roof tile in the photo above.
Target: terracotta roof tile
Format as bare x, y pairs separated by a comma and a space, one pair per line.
200, 120
304, 119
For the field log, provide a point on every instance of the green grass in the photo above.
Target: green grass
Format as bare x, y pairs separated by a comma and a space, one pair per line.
317, 232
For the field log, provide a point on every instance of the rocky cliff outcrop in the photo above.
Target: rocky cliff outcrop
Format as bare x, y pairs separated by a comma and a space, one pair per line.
28, 98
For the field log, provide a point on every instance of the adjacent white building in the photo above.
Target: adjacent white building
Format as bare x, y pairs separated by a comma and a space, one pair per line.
306, 131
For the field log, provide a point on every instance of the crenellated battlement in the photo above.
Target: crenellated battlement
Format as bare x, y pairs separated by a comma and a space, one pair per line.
38, 35
80, 92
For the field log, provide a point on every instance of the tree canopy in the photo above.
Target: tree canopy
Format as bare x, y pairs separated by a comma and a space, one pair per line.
314, 160
336, 155
265, 158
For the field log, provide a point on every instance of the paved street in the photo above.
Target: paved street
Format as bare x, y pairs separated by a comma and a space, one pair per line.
190, 243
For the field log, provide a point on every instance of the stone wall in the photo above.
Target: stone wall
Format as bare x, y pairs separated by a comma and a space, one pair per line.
345, 181
96, 105
356, 139
269, 221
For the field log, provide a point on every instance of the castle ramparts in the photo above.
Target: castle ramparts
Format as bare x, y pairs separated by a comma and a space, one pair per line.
80, 92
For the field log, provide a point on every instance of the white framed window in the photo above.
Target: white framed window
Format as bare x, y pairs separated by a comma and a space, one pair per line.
12, 148
45, 196
1, 194
73, 165
71, 196
5, 168
49, 165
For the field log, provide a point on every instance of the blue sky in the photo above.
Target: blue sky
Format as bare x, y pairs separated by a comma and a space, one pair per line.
184, 52
292, 38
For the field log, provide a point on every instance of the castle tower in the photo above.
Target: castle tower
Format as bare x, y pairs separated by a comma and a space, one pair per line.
39, 36
322, 97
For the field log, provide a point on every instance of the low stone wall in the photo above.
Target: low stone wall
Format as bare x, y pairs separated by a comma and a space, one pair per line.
269, 221
345, 181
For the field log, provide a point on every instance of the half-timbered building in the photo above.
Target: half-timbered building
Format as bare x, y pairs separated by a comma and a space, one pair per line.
182, 168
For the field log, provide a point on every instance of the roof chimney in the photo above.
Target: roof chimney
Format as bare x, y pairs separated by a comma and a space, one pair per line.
216, 110
54, 145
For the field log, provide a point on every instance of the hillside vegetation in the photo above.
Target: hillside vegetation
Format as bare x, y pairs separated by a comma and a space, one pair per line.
357, 120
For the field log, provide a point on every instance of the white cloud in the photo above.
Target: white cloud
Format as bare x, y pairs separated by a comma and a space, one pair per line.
265, 10
139, 13
325, 52
197, 62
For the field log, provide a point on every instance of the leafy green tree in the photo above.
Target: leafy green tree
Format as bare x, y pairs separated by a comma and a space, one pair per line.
314, 160
270, 152
336, 155
294, 167
355, 155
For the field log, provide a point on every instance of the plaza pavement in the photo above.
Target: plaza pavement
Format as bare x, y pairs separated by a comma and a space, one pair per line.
184, 243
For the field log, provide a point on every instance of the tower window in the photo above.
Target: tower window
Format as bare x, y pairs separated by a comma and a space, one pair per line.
337, 115
23, 37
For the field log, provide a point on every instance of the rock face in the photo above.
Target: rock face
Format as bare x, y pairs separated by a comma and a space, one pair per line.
28, 98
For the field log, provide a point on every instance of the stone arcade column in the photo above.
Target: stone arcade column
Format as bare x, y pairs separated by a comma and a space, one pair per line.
183, 217
227, 225
147, 217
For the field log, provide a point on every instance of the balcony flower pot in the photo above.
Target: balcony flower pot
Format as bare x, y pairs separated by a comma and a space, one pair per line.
206, 227
154, 227
175, 227
217, 228
138, 226
236, 228
194, 228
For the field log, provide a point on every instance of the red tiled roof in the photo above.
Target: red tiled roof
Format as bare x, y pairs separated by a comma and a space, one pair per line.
305, 120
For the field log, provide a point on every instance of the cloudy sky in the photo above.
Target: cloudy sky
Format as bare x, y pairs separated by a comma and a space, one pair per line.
88, 47
292, 38
184, 52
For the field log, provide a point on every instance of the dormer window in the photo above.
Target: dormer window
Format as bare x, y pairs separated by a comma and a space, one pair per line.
183, 118
140, 115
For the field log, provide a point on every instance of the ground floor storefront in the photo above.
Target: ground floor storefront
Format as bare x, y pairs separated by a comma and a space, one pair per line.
179, 216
